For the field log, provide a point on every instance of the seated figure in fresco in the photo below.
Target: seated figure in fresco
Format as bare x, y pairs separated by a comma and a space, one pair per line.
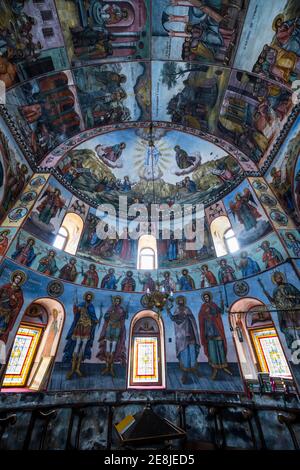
185, 281
128, 283
47, 264
90, 277
212, 334
112, 338
226, 272
271, 256
24, 253
183, 159
187, 339
286, 300
69, 271
111, 154
80, 337
110, 281
247, 265
11, 302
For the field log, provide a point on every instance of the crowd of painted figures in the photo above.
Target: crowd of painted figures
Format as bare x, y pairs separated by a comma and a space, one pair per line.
190, 337
131, 281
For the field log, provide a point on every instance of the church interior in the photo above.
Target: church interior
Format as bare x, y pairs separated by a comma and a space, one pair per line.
149, 224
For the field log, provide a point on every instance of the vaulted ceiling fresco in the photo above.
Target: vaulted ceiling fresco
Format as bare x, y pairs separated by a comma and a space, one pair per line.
87, 79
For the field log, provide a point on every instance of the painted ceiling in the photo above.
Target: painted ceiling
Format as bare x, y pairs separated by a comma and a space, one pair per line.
87, 79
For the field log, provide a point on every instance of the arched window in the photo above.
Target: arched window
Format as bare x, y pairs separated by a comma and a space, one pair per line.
61, 238
258, 345
223, 236
231, 242
146, 365
147, 252
35, 346
69, 233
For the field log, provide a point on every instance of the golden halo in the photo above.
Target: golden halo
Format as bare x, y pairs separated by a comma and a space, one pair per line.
18, 273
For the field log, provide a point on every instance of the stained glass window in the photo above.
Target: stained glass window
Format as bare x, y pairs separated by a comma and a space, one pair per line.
145, 360
269, 352
22, 355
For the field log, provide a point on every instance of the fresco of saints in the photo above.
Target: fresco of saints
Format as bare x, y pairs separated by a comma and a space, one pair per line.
51, 205
69, 271
11, 301
90, 277
187, 339
168, 284
185, 281
111, 155
244, 209
286, 300
110, 281
24, 253
147, 282
293, 244
208, 278
226, 272
247, 265
128, 283
80, 337
47, 264
271, 256
4, 241
212, 334
112, 339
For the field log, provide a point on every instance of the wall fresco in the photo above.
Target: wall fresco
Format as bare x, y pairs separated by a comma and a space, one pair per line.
105, 31
194, 31
269, 44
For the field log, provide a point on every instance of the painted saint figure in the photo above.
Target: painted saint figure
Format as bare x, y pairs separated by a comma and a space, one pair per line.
244, 209
167, 283
226, 272
112, 347
110, 281
90, 277
24, 253
286, 299
128, 283
208, 278
47, 264
69, 271
212, 334
11, 301
187, 339
247, 265
185, 281
4, 241
80, 337
271, 256
51, 205
293, 244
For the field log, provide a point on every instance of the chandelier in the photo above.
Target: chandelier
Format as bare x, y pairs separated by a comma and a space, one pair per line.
158, 300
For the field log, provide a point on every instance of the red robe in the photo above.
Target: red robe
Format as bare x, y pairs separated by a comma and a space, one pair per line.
210, 277
10, 305
3, 246
216, 319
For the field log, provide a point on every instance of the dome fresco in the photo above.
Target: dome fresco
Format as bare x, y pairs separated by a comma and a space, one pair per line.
181, 102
